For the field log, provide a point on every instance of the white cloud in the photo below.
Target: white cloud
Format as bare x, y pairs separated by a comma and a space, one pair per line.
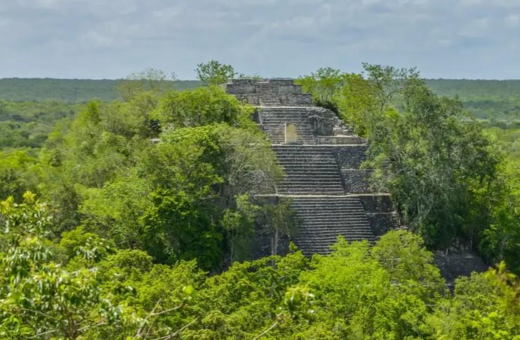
513, 20
97, 40
269, 37
169, 13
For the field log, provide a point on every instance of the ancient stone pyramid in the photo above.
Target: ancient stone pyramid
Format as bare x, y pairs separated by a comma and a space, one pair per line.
322, 159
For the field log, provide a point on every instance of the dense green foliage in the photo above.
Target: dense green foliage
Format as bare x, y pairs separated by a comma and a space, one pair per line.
448, 180
134, 217
83, 288
214, 73
185, 197
27, 124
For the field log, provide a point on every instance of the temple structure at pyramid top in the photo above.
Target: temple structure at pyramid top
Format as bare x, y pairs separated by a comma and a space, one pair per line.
269, 92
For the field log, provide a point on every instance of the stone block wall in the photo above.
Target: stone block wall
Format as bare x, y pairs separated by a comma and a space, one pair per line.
281, 92
326, 122
338, 140
350, 159
457, 263
352, 156
380, 213
356, 181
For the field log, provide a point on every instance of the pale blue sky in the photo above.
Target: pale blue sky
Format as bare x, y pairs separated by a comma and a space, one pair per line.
283, 38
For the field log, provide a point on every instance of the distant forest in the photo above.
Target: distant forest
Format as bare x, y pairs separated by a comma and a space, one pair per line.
497, 101
69, 90
31, 108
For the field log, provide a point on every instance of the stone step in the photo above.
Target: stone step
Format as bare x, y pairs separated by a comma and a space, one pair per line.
279, 117
318, 156
322, 246
309, 185
339, 215
332, 201
298, 150
293, 149
309, 153
311, 232
325, 156
322, 189
328, 191
311, 172
315, 149
288, 110
301, 177
335, 227
308, 164
283, 120
349, 210
304, 158
322, 147
309, 167
323, 219
320, 239
311, 179
339, 219
319, 201
326, 240
308, 180
329, 206
299, 124
298, 118
309, 229
288, 118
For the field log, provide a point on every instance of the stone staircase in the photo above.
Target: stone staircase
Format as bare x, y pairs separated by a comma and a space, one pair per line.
275, 119
310, 169
323, 209
314, 180
325, 218
266, 95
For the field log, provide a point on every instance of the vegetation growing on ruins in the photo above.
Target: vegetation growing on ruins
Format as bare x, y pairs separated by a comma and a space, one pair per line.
135, 220
448, 180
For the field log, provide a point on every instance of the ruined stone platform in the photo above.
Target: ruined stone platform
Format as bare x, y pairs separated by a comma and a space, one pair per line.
322, 158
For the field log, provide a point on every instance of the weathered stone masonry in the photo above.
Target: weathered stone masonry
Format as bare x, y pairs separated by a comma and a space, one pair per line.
322, 159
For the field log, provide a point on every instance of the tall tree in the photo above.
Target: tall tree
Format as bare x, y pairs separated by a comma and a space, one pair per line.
214, 73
